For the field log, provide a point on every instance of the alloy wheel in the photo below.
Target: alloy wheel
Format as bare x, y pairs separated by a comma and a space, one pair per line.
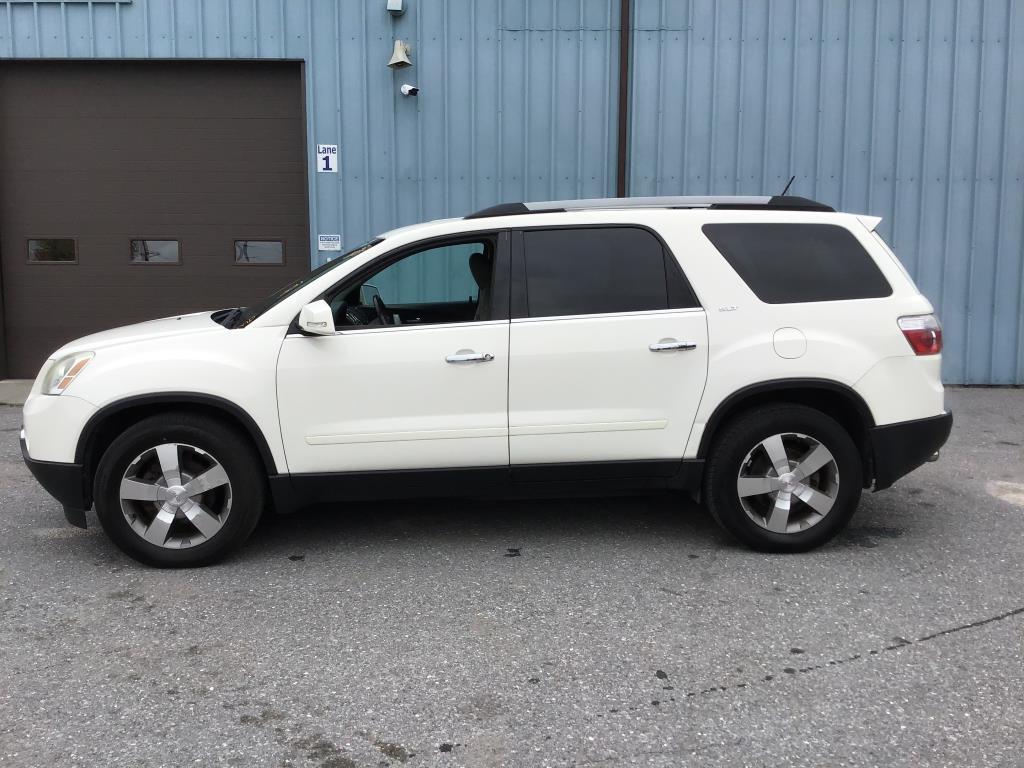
175, 495
788, 482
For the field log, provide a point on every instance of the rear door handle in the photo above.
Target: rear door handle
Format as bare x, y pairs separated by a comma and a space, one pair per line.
671, 345
469, 356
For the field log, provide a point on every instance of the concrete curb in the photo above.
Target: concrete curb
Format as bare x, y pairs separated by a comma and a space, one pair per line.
14, 391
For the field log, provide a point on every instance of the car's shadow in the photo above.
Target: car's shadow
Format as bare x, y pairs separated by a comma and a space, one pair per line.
505, 523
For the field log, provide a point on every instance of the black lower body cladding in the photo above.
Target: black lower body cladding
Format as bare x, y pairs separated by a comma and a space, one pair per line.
903, 447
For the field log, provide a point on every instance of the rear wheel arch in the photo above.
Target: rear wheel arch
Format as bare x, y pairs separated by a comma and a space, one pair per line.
830, 397
113, 419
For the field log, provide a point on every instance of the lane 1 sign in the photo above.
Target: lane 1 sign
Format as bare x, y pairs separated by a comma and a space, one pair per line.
329, 242
327, 158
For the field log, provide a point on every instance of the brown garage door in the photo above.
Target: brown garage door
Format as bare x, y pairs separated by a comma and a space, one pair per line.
135, 190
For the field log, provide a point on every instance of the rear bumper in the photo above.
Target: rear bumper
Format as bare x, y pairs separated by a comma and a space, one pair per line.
903, 447
65, 482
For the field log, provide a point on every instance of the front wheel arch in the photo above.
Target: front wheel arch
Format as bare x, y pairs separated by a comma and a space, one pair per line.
110, 421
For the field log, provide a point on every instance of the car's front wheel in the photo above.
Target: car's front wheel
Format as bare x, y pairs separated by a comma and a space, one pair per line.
783, 478
178, 489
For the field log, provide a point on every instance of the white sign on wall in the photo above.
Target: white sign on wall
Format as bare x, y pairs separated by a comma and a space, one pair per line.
329, 242
327, 158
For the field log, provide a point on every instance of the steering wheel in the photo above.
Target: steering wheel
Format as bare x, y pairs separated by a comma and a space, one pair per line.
385, 316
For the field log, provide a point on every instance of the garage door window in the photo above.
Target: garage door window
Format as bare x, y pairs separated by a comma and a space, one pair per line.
259, 252
52, 251
155, 252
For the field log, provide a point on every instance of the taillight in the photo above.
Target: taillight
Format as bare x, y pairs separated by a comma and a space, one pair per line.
923, 332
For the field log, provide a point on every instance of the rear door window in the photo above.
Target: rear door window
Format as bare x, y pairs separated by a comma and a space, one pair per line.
794, 263
599, 270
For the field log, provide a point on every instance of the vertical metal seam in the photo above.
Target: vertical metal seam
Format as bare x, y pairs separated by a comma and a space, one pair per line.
255, 29
579, 100
525, 181
10, 29
283, 31
174, 29
685, 101
739, 104
949, 165
145, 27
368, 223
872, 135
552, 181
393, 136
446, 171
767, 98
118, 30
200, 30
822, 32
625, 92
1003, 197
973, 216
64, 27
499, 89
712, 133
846, 104
311, 137
659, 141
922, 163
420, 182
227, 29
339, 76
472, 107
607, 149
794, 92
36, 30
897, 164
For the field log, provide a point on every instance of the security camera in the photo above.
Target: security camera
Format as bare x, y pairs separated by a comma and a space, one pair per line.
410, 90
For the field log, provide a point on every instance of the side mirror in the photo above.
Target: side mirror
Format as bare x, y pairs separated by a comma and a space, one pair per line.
316, 319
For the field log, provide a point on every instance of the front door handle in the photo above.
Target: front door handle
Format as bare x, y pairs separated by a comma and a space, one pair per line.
469, 356
671, 345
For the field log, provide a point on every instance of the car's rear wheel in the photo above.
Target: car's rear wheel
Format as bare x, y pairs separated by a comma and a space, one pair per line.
783, 478
178, 490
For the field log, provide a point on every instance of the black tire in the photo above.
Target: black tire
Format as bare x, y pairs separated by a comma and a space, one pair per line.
729, 455
231, 448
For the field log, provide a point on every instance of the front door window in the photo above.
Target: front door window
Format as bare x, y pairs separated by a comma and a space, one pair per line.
449, 283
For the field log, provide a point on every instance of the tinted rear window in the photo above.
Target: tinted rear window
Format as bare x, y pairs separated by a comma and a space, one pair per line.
584, 271
792, 263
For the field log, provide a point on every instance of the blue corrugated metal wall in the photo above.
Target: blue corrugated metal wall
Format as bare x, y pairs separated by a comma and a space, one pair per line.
901, 108
907, 109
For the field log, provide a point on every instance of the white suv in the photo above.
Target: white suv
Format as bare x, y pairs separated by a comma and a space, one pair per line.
769, 355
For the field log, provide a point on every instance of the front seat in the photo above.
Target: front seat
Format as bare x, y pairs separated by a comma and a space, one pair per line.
481, 268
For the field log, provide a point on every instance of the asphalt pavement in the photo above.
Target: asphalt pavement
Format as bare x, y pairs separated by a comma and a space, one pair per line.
590, 632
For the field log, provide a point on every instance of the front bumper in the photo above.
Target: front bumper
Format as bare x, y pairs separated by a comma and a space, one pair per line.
903, 447
65, 482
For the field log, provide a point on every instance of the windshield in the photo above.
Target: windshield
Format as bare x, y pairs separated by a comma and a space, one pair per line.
239, 318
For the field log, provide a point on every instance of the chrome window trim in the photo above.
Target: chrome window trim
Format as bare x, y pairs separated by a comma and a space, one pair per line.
597, 315
359, 331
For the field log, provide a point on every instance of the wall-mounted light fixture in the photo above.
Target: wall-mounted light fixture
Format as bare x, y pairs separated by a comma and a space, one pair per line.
400, 56
396, 7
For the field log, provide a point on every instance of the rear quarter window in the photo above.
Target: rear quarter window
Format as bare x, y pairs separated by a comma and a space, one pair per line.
797, 263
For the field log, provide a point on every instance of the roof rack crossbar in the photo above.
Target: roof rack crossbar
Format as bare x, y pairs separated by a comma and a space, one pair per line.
722, 202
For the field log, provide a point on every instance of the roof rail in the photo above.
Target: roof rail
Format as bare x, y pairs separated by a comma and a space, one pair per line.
733, 202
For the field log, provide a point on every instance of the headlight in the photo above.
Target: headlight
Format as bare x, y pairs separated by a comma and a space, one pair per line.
64, 371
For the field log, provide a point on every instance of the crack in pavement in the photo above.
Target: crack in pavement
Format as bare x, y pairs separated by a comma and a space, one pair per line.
897, 643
